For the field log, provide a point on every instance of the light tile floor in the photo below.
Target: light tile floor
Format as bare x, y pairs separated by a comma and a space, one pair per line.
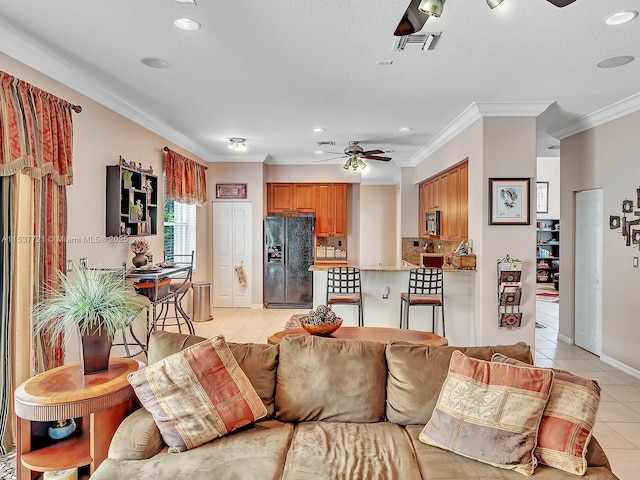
618, 426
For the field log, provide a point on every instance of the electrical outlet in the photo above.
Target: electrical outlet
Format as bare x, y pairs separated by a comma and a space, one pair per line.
635, 262
385, 293
416, 243
83, 262
69, 265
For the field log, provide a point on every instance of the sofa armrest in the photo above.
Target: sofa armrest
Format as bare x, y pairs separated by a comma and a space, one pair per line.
137, 438
596, 456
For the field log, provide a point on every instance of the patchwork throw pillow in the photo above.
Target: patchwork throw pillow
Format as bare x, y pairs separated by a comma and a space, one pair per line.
490, 412
198, 394
567, 421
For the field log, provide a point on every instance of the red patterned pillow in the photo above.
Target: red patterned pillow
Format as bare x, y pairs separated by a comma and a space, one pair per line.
568, 420
198, 394
490, 412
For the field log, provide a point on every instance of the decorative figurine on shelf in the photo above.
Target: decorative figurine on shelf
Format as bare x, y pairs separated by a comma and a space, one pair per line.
150, 169
123, 230
139, 166
140, 208
148, 187
121, 160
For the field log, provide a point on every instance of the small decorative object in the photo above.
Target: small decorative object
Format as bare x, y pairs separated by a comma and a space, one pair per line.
231, 190
61, 429
322, 321
614, 221
133, 212
150, 169
126, 179
510, 320
147, 186
94, 303
121, 161
140, 209
631, 237
509, 201
509, 293
627, 206
149, 256
123, 230
139, 247
139, 166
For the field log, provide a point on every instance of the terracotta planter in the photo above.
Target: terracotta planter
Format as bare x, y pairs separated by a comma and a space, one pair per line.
96, 348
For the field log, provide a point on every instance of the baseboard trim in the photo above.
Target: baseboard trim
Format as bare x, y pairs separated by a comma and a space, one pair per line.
568, 340
257, 305
620, 366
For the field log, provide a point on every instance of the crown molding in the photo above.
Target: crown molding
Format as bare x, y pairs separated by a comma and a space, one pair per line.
470, 115
612, 112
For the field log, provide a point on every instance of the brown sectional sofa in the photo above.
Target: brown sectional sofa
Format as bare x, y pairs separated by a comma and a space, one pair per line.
337, 409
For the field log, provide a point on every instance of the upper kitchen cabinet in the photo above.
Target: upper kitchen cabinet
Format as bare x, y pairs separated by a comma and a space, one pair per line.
448, 193
331, 210
279, 197
304, 197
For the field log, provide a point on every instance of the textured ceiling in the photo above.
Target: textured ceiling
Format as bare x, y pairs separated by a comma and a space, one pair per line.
272, 71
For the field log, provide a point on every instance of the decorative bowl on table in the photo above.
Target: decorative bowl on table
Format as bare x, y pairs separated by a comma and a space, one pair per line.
321, 330
322, 321
61, 429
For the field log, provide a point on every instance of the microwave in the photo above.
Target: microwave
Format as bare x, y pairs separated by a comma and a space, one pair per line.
433, 223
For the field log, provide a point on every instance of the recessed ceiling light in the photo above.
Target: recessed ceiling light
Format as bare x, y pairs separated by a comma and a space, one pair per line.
319, 130
154, 62
620, 17
616, 61
385, 62
187, 24
188, 2
318, 152
404, 129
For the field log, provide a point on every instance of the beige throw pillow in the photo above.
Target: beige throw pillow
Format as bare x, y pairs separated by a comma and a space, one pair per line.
490, 412
198, 394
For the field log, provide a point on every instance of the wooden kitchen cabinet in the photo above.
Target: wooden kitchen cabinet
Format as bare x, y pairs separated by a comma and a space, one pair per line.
279, 197
424, 190
331, 210
304, 197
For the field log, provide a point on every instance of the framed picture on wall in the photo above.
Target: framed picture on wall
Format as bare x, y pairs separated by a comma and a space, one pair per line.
509, 201
231, 190
542, 197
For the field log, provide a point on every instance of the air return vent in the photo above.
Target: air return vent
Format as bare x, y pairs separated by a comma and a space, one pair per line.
416, 42
322, 144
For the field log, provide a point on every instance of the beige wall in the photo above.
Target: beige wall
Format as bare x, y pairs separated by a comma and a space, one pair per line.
378, 235
548, 170
100, 136
604, 157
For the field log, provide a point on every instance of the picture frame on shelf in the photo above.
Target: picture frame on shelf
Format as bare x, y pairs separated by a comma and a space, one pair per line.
542, 197
231, 190
627, 206
509, 201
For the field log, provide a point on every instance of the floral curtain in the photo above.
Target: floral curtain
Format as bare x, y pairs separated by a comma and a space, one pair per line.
186, 179
36, 150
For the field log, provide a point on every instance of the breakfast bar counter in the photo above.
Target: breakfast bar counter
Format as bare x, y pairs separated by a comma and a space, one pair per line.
381, 288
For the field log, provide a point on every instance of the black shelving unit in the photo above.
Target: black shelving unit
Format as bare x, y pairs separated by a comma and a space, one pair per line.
547, 250
132, 202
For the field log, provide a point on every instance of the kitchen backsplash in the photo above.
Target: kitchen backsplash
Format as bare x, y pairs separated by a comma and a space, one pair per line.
331, 248
412, 247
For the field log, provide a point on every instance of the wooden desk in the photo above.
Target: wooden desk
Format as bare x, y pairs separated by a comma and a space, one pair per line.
99, 402
372, 334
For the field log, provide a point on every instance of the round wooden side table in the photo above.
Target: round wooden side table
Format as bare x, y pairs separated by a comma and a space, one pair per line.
99, 402
372, 334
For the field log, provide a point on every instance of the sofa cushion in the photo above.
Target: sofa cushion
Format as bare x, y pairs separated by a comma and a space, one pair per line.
568, 420
417, 372
258, 361
330, 379
197, 394
490, 412
136, 438
336, 451
255, 452
438, 464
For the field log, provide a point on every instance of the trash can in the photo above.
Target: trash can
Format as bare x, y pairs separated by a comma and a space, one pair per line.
201, 301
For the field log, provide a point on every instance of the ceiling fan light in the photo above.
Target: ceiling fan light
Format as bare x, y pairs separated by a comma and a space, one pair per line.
362, 164
432, 7
493, 3
237, 143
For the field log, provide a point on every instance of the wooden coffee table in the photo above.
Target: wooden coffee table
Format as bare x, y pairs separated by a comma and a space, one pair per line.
372, 334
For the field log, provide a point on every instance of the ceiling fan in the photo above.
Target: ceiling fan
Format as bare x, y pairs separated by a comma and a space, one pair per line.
419, 11
356, 155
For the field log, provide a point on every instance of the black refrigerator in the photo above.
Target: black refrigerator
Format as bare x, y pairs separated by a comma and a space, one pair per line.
288, 254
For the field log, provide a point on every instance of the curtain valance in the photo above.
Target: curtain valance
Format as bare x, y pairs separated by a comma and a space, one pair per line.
36, 132
186, 179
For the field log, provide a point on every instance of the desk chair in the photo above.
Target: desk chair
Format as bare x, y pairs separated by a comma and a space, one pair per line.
178, 288
128, 336
426, 288
343, 288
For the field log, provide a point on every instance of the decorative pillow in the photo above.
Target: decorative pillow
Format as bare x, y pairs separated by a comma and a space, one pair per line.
198, 394
490, 412
568, 420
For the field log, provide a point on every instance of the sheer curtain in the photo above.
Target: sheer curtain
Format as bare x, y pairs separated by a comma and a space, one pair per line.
36, 149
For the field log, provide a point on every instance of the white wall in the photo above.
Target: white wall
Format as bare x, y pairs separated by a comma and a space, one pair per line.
548, 170
604, 157
378, 235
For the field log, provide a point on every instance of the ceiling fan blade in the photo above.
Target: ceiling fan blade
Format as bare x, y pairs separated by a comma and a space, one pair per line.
373, 152
376, 157
331, 158
561, 3
412, 21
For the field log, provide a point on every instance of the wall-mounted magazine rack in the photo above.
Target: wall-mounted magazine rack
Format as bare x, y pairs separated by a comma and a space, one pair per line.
509, 293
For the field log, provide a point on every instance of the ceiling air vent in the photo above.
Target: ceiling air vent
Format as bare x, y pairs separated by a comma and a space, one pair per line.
416, 42
322, 144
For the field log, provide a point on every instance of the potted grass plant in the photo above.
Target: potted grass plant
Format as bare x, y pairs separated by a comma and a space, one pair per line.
94, 303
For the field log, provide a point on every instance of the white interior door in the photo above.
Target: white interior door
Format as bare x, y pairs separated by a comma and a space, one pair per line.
231, 249
588, 264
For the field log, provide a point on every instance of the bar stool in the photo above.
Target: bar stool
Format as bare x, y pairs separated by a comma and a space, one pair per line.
178, 288
426, 288
343, 288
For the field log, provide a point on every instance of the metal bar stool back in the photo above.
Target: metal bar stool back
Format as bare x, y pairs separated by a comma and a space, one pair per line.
343, 288
179, 287
426, 288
